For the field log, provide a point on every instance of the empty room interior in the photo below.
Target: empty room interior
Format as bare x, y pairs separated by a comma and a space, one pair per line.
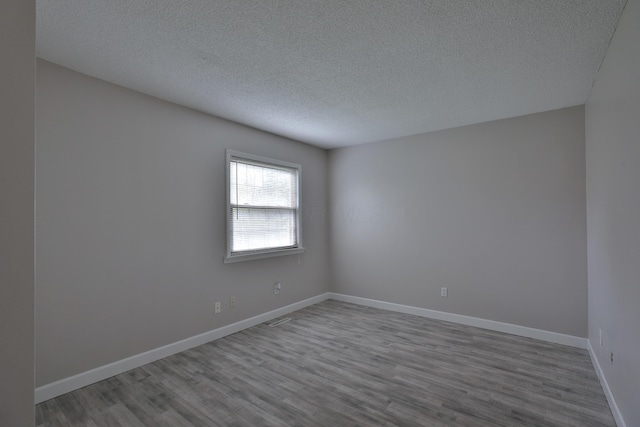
246, 213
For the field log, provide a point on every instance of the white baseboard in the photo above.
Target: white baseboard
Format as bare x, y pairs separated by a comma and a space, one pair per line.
617, 415
83, 379
508, 328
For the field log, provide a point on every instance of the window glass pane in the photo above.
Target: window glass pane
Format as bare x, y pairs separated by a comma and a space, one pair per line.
258, 185
255, 229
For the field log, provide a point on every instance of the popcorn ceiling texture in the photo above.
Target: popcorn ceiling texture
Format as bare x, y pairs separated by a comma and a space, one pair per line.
335, 73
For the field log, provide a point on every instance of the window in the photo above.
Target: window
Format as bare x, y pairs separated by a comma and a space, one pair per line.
263, 207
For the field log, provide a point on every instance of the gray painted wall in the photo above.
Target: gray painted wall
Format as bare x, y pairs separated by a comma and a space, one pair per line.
17, 168
494, 211
131, 224
613, 214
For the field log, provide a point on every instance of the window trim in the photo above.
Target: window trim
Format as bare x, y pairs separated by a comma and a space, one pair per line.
261, 253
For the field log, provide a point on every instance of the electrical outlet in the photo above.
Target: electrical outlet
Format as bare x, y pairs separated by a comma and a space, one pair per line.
218, 307
232, 302
601, 340
611, 358
276, 288
444, 292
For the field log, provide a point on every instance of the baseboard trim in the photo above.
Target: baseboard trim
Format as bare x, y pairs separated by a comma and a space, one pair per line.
508, 328
83, 379
617, 415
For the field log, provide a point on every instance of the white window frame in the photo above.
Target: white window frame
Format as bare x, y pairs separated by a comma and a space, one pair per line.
261, 253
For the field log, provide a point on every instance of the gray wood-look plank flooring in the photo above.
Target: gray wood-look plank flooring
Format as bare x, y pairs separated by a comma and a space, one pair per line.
339, 364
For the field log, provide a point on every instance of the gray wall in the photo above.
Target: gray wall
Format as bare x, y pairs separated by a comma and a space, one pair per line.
131, 224
17, 115
494, 211
613, 213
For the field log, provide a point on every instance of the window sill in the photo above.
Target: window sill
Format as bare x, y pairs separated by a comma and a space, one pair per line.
259, 255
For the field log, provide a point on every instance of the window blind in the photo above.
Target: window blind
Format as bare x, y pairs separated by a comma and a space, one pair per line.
263, 206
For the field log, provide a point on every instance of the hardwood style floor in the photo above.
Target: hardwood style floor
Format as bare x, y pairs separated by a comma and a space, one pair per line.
337, 364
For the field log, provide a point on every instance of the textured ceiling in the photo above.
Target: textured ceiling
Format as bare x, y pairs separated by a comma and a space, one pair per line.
339, 72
